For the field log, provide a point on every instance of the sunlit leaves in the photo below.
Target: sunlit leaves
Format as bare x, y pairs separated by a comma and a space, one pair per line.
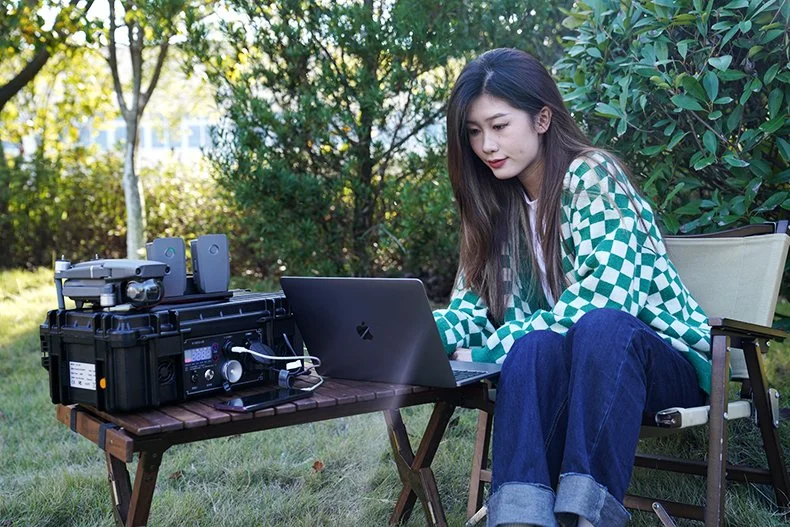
714, 115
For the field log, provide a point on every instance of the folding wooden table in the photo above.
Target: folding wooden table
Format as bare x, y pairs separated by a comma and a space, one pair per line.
150, 433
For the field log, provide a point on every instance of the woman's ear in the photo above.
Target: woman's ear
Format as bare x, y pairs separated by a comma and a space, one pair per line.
543, 120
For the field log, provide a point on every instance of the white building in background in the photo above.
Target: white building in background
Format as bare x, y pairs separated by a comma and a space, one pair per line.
159, 140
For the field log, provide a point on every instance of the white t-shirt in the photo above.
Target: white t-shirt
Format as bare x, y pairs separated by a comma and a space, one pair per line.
532, 209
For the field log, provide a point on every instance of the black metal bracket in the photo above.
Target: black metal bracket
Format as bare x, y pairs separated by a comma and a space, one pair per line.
73, 418
103, 433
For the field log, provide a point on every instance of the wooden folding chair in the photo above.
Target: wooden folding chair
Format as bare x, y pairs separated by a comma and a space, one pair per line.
735, 275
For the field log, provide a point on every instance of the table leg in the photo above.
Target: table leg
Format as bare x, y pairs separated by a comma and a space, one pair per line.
131, 505
415, 470
404, 457
120, 488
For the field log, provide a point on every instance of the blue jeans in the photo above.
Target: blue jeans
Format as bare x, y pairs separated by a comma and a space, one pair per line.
568, 413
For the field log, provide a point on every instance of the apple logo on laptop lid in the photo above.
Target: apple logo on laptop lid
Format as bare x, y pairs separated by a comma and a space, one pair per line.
364, 331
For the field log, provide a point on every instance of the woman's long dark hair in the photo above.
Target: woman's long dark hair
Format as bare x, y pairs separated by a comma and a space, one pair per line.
494, 217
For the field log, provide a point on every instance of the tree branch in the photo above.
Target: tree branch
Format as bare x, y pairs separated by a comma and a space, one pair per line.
155, 78
113, 61
31, 69
135, 33
383, 162
385, 158
709, 127
403, 114
12, 87
714, 178
341, 75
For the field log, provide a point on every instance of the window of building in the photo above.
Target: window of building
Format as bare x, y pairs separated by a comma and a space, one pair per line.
159, 138
101, 139
194, 139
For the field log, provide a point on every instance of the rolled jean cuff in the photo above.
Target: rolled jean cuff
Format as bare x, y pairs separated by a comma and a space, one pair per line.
522, 503
581, 495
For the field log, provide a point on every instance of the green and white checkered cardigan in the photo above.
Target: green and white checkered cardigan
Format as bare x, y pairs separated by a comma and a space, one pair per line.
614, 264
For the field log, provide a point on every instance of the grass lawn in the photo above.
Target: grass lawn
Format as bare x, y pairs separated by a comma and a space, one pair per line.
52, 477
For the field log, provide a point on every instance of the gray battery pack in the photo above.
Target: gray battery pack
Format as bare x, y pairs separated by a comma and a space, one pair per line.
171, 251
211, 263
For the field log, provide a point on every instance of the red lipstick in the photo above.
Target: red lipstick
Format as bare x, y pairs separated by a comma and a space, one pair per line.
497, 163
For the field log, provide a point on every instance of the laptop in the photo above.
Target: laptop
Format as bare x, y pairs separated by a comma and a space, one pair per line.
376, 329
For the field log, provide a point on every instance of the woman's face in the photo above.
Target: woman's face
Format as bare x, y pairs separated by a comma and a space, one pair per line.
506, 140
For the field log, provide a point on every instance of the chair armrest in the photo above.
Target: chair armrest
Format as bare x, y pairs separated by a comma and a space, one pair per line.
728, 326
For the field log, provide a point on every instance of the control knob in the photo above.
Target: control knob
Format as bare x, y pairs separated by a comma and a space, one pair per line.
231, 371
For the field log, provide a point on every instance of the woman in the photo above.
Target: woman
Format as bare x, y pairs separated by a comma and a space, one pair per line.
563, 277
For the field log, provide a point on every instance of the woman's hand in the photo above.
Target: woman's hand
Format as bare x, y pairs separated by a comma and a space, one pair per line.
464, 354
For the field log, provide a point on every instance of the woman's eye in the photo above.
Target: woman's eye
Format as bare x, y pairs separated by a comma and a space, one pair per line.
472, 131
500, 126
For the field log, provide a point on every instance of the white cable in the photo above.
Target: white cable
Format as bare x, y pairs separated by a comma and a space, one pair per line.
314, 386
316, 362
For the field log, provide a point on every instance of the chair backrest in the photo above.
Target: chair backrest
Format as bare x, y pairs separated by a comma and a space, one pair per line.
732, 275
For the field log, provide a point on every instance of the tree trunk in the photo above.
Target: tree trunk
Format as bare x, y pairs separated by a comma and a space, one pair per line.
5, 181
133, 193
364, 201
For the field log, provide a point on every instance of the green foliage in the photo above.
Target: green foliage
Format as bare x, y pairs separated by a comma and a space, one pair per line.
68, 205
184, 201
426, 218
23, 26
74, 206
695, 95
149, 26
333, 125
29, 38
49, 110
70, 90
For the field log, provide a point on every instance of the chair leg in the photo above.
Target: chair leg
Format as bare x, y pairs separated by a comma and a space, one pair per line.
769, 432
479, 462
717, 441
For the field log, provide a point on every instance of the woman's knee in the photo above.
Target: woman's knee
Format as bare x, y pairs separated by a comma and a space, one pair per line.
534, 351
600, 338
603, 324
606, 316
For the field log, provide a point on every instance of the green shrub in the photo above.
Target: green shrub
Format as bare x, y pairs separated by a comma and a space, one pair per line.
184, 201
333, 117
695, 96
74, 206
423, 240
71, 206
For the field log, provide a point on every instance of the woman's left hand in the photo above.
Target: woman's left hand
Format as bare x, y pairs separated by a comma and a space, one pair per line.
464, 354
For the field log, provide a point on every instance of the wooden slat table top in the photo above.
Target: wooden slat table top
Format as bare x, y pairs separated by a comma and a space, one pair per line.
200, 413
205, 409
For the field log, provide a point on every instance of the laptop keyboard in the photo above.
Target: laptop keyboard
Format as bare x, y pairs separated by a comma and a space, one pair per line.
460, 375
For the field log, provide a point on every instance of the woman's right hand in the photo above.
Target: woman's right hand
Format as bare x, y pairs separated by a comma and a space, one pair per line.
464, 354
